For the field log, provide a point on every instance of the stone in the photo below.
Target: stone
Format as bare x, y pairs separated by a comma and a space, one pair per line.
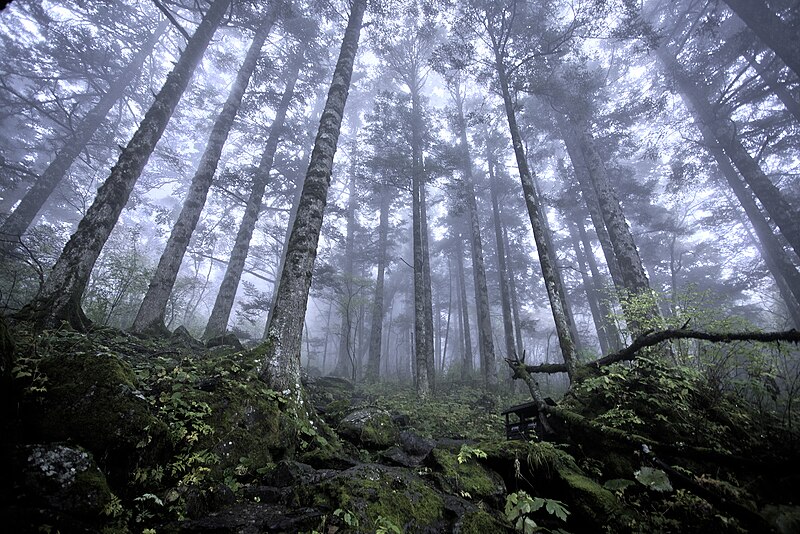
225, 340
370, 428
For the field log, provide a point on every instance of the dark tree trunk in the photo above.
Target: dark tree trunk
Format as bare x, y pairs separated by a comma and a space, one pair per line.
376, 332
467, 367
512, 286
588, 287
502, 271
31, 204
150, 317
223, 304
773, 31
60, 296
538, 225
281, 350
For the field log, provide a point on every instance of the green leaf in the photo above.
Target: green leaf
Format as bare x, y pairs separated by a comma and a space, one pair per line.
557, 509
618, 484
654, 479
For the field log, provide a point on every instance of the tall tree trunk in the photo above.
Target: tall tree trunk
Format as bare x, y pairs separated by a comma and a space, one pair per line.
280, 352
376, 331
602, 295
719, 126
771, 29
512, 286
502, 271
220, 313
31, 204
546, 260
423, 326
60, 296
485, 341
345, 364
578, 160
150, 317
427, 285
588, 287
467, 367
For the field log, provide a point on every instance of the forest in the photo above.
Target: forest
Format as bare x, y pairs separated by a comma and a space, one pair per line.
397, 266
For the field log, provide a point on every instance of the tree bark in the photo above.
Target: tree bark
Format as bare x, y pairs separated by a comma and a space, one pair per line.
223, 304
60, 296
775, 85
775, 33
32, 202
150, 317
502, 271
280, 352
372, 374
546, 261
588, 288
467, 367
512, 286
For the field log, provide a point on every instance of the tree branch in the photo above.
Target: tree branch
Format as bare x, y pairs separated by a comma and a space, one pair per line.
171, 18
654, 338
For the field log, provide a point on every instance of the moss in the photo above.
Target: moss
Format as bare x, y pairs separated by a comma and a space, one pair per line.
468, 477
372, 491
591, 504
480, 522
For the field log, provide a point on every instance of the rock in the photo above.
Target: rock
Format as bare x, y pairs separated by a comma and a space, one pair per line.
181, 336
254, 518
93, 399
399, 457
371, 428
401, 420
225, 340
467, 479
200, 503
415, 444
59, 485
288, 473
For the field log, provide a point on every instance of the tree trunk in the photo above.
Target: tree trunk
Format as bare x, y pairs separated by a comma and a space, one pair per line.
502, 271
220, 313
376, 330
602, 294
467, 367
773, 31
512, 286
588, 287
428, 286
150, 317
345, 365
546, 260
722, 131
281, 350
485, 341
31, 204
60, 296
775, 85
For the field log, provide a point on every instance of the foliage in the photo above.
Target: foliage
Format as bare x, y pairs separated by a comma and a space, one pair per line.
467, 452
520, 506
654, 479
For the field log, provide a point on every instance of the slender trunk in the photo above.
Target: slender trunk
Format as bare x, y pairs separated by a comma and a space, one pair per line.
546, 260
281, 350
466, 368
376, 331
423, 328
220, 313
449, 313
512, 286
502, 271
327, 335
602, 294
722, 132
485, 341
31, 204
60, 296
344, 365
428, 285
578, 160
588, 287
771, 29
151, 312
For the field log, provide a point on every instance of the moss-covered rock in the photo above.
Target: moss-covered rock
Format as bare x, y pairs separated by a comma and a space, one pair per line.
468, 478
59, 485
93, 398
371, 428
375, 493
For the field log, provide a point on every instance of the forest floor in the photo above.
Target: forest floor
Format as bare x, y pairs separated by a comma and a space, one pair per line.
107, 432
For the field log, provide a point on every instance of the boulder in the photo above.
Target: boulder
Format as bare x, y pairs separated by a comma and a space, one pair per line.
370, 428
225, 340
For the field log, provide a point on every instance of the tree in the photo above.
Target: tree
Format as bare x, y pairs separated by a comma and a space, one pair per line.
220, 313
60, 296
771, 29
280, 352
150, 317
31, 204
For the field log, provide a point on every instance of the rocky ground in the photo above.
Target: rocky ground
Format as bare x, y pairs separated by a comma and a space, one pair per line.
107, 432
